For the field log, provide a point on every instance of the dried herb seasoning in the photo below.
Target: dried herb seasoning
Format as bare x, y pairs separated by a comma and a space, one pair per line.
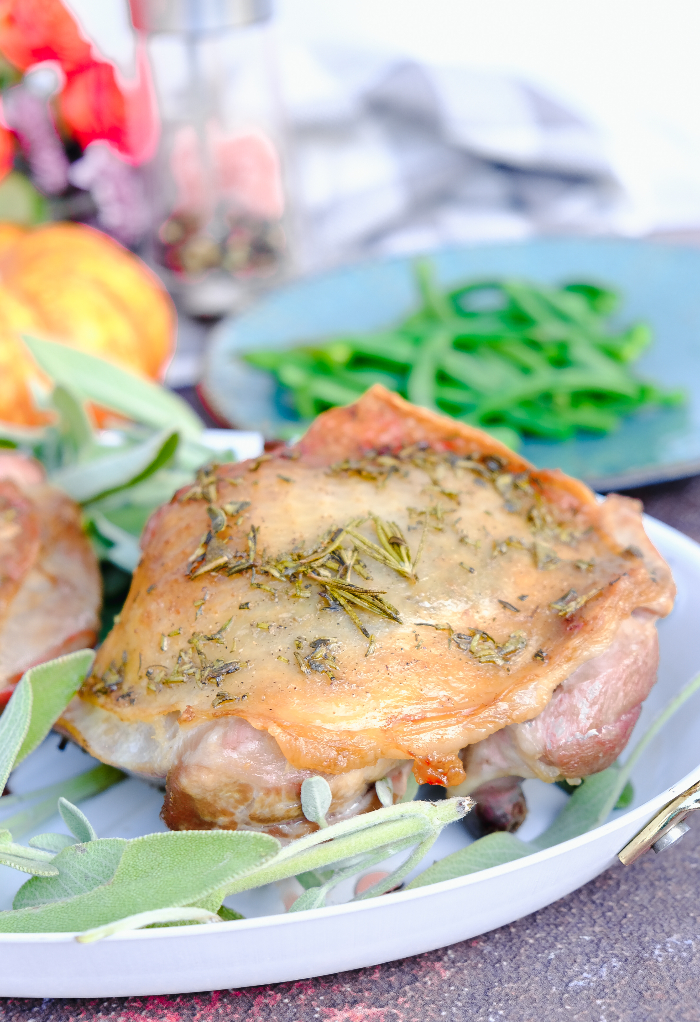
486, 650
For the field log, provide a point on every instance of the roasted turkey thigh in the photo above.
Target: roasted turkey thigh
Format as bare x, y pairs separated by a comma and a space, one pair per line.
50, 586
398, 587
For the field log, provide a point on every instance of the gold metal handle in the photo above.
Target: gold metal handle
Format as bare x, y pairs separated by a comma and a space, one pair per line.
666, 827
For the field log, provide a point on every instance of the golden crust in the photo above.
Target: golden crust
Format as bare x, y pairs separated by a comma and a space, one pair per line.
501, 542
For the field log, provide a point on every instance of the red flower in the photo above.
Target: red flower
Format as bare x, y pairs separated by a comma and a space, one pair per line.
94, 104
7, 152
36, 30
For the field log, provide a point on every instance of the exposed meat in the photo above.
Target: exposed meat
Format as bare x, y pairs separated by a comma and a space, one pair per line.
587, 722
397, 588
227, 774
50, 589
500, 805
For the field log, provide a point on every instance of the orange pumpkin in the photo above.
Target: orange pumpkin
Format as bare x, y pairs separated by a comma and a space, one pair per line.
69, 283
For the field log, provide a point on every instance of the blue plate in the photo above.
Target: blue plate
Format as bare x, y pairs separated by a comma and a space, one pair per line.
659, 284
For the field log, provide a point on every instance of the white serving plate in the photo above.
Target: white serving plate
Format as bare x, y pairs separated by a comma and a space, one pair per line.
272, 947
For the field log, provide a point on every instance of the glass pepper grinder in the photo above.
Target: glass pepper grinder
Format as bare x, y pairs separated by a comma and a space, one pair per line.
220, 224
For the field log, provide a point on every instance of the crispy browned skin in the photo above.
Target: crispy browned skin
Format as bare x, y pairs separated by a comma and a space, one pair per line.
50, 587
503, 548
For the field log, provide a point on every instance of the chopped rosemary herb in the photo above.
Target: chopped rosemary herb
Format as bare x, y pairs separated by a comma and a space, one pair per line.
218, 636
509, 606
486, 650
466, 567
244, 606
372, 646
564, 602
540, 655
285, 479
585, 565
222, 697
217, 517
393, 550
321, 659
346, 593
216, 557
301, 663
205, 487
283, 658
570, 602
438, 628
200, 550
239, 566
545, 557
633, 551
234, 508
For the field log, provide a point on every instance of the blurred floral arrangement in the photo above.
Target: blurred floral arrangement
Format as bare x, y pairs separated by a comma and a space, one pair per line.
72, 135
72, 130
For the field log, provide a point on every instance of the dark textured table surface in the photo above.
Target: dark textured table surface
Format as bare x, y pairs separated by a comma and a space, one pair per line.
624, 948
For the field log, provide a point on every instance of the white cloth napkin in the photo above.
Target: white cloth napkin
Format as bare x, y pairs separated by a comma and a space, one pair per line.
395, 156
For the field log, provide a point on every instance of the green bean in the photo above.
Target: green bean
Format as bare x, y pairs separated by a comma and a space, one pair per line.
504, 354
420, 385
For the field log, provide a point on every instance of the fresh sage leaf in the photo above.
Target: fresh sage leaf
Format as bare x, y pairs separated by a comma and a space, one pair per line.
27, 860
75, 426
411, 789
85, 785
171, 870
82, 868
492, 850
385, 791
77, 822
121, 547
115, 388
53, 685
583, 811
52, 842
115, 472
314, 897
388, 830
316, 798
673, 707
152, 918
14, 726
626, 796
311, 879
228, 915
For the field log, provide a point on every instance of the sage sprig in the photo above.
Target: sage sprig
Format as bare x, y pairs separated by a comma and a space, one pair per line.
122, 476
102, 882
100, 886
38, 700
103, 886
